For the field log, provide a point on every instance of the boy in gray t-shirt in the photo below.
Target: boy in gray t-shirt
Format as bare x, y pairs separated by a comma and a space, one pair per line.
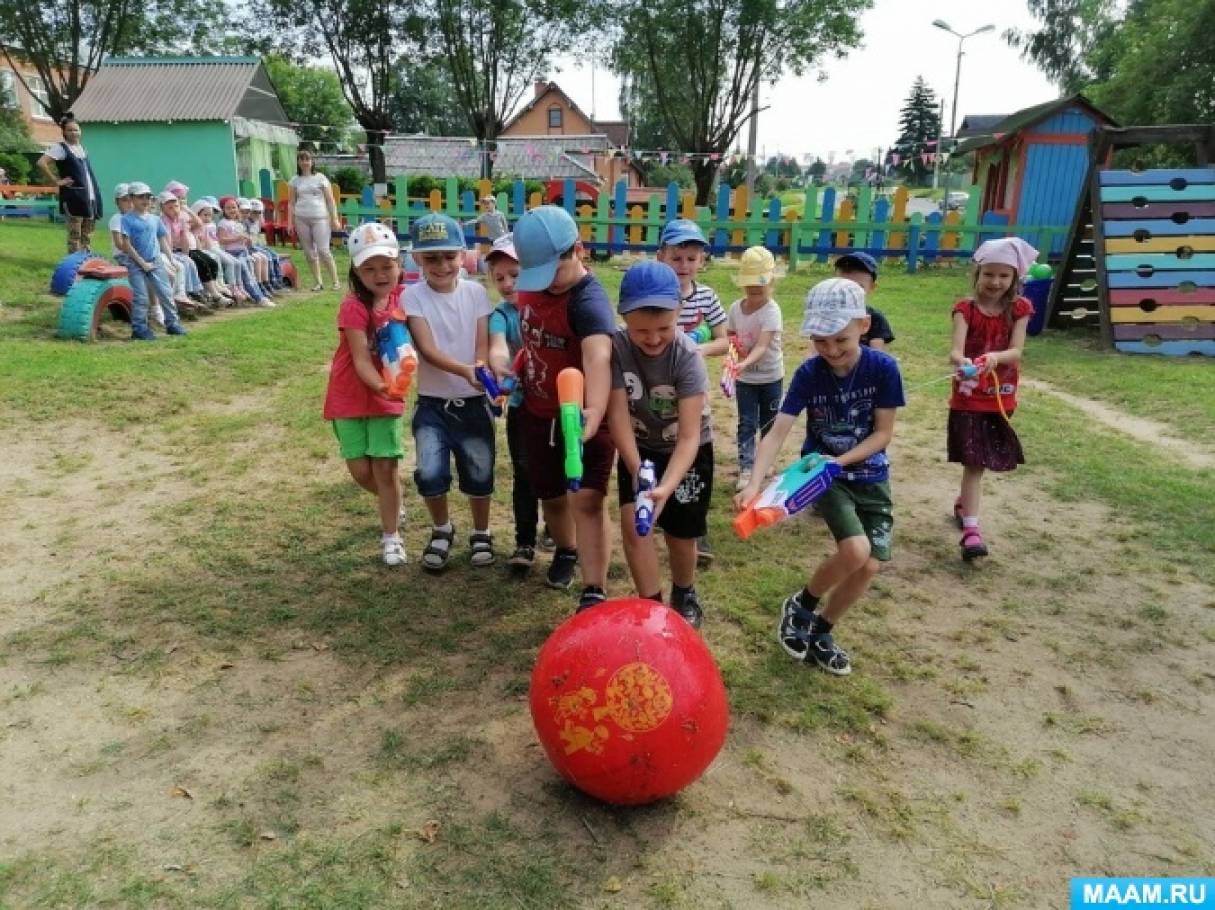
658, 411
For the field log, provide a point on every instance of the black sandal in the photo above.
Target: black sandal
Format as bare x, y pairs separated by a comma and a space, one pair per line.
481, 548
434, 558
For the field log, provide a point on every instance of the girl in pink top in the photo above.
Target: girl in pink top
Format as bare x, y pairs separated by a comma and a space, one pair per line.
235, 242
207, 237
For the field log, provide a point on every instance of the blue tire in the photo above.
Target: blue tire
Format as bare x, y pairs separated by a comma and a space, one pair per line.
64, 275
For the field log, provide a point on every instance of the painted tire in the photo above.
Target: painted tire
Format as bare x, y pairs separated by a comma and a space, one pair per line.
87, 302
64, 275
290, 275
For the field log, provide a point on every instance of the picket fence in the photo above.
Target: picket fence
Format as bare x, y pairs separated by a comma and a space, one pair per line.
826, 225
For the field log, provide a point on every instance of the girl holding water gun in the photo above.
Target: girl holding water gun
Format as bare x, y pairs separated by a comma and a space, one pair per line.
366, 422
988, 338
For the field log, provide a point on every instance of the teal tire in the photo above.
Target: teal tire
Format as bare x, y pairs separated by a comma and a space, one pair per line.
87, 301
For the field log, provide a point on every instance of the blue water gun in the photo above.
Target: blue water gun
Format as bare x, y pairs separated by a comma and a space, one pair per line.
643, 505
398, 361
795, 488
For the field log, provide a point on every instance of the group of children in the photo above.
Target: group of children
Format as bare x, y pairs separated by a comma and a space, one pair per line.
189, 259
646, 400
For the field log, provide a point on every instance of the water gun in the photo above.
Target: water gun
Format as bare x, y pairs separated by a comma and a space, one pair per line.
702, 333
398, 362
797, 486
643, 505
569, 393
729, 371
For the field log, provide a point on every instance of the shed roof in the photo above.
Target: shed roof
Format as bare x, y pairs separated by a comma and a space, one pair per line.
1026, 118
540, 157
162, 89
978, 124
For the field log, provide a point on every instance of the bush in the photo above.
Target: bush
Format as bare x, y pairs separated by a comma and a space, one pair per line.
350, 180
17, 166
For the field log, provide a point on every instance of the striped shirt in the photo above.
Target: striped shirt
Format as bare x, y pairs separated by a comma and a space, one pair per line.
701, 305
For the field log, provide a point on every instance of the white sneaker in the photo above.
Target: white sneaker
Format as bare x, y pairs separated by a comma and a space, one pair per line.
266, 302
394, 552
744, 478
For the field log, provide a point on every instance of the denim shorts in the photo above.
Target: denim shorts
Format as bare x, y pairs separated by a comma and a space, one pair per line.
463, 427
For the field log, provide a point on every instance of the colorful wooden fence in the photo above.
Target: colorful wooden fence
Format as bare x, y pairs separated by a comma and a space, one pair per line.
827, 225
1158, 253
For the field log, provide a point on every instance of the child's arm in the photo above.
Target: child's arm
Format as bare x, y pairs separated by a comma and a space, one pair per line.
597, 369
687, 444
167, 250
360, 353
499, 354
765, 457
620, 425
1016, 345
956, 357
719, 344
883, 432
761, 347
483, 338
424, 341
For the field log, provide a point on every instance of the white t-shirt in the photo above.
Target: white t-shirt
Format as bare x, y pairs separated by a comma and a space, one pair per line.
310, 196
56, 153
116, 223
453, 323
748, 328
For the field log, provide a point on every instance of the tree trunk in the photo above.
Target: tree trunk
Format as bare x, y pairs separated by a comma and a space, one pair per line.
375, 154
704, 172
489, 149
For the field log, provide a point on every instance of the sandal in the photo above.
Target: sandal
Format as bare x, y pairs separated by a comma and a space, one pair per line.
972, 544
435, 557
481, 548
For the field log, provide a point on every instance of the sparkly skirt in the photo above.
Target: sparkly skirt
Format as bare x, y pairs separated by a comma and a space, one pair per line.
983, 439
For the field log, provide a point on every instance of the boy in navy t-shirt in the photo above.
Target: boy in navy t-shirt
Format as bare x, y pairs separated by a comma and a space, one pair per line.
849, 393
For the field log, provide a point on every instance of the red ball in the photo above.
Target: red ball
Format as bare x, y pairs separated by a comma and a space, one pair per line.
628, 702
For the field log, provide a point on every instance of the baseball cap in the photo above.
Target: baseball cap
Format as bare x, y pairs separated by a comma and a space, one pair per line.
756, 266
243, 204
211, 201
831, 305
371, 239
166, 196
503, 246
649, 284
862, 261
122, 190
541, 236
177, 188
200, 204
139, 189
682, 230
257, 205
436, 233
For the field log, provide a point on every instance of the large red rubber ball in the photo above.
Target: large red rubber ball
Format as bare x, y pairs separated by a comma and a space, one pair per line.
627, 702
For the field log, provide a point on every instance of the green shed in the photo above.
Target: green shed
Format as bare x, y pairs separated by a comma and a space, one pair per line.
211, 122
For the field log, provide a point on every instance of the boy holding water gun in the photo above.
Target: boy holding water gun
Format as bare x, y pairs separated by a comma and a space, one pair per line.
567, 323
849, 393
658, 414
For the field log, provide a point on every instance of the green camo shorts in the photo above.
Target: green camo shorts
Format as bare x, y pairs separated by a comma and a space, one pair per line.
369, 437
852, 509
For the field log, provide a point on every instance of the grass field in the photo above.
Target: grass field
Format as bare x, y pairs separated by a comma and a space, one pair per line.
212, 694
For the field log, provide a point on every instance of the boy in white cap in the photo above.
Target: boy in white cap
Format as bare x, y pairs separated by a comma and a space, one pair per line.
144, 240
849, 393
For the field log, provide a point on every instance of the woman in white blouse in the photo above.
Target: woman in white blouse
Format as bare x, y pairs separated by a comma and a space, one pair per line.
312, 211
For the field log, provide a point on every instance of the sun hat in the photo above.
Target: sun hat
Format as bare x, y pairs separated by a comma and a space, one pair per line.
139, 189
831, 305
166, 196
437, 233
177, 188
257, 205
649, 284
503, 246
372, 239
122, 190
224, 200
1011, 251
243, 204
756, 266
200, 204
682, 230
211, 201
855, 262
541, 237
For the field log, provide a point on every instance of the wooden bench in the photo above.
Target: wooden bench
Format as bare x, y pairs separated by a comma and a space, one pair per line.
15, 201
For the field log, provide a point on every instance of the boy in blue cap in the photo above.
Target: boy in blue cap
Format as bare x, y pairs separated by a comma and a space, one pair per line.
449, 322
659, 412
863, 269
567, 322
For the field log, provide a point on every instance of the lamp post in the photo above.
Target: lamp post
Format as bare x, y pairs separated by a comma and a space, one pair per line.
957, 79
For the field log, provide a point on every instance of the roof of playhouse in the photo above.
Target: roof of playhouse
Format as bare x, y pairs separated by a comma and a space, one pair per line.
1005, 128
166, 89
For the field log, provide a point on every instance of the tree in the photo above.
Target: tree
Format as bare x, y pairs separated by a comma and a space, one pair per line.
816, 170
919, 130
639, 108
782, 166
66, 40
15, 144
1070, 31
312, 98
862, 170
701, 60
424, 101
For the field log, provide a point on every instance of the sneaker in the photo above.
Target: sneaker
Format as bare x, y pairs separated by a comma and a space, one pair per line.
317, 287
394, 552
561, 572
176, 329
265, 302
690, 610
972, 544
704, 554
744, 478
522, 559
591, 596
143, 335
547, 544
481, 548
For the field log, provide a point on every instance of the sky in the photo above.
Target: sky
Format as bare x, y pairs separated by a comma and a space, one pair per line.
855, 110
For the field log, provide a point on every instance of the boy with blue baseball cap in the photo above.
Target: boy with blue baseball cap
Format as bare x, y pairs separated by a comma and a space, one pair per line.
567, 322
849, 393
863, 269
659, 413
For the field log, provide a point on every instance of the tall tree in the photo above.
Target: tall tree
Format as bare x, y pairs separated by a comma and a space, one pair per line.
702, 60
312, 97
1062, 46
494, 50
919, 129
66, 40
423, 100
639, 106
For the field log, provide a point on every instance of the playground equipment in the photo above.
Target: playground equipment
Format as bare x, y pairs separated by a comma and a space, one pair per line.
100, 287
1140, 258
64, 275
627, 702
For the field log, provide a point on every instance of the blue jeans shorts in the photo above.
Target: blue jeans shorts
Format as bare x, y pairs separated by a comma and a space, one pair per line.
463, 427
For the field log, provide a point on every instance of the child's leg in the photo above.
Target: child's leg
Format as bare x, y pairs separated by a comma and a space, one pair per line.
972, 477
747, 398
641, 555
682, 554
388, 492
592, 531
523, 498
851, 555
158, 283
847, 591
360, 473
559, 518
137, 279
768, 405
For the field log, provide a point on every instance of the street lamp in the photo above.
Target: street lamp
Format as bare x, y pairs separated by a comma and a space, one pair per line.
957, 76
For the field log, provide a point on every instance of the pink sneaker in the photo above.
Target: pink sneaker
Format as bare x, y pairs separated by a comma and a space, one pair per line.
972, 544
